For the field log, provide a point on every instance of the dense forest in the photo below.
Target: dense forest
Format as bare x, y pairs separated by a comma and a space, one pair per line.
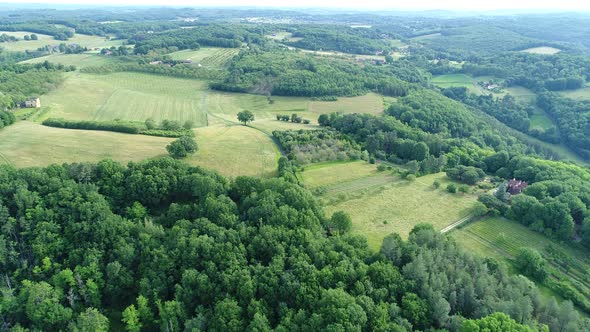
161, 245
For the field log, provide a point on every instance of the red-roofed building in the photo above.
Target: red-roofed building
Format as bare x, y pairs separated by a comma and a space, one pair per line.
515, 186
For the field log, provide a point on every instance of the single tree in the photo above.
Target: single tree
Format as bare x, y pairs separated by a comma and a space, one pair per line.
245, 117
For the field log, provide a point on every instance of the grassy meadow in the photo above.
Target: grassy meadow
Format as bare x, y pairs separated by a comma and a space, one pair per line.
80, 39
456, 80
545, 50
79, 60
380, 203
235, 150
126, 96
578, 94
206, 56
541, 120
26, 144
501, 239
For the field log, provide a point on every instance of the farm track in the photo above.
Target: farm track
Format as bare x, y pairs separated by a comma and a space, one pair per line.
455, 224
359, 184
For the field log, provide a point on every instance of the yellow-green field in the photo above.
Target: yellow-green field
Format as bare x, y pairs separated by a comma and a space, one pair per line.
126, 96
547, 50
82, 40
79, 60
235, 150
25, 144
206, 56
380, 203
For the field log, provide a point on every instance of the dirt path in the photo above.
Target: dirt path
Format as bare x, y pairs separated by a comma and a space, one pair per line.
455, 224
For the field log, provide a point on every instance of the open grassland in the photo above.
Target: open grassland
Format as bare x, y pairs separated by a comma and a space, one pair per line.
27, 144
456, 80
82, 40
226, 105
206, 56
522, 94
547, 50
428, 36
126, 96
235, 150
332, 173
79, 60
578, 94
380, 203
501, 239
284, 35
541, 120
370, 103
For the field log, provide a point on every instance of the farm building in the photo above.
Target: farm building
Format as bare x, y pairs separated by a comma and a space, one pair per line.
34, 102
515, 186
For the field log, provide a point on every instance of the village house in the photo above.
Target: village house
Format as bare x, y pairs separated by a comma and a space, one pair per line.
515, 186
34, 102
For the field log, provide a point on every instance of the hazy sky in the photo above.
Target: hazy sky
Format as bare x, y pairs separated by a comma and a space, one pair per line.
358, 4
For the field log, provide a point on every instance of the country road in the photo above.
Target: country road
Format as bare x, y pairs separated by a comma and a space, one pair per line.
455, 224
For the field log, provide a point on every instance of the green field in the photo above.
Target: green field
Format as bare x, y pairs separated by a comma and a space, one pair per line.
456, 80
126, 96
521, 94
540, 120
206, 56
82, 40
79, 60
428, 36
332, 173
235, 150
501, 239
27, 144
547, 50
380, 203
578, 94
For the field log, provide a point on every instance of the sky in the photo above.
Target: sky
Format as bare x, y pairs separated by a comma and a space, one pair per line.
469, 5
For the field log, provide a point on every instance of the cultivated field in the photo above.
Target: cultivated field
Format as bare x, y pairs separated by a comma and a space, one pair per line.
26, 144
547, 50
127, 96
380, 203
206, 56
82, 40
235, 150
79, 60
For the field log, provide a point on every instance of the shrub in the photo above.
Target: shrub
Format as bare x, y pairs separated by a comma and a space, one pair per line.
411, 177
452, 188
436, 184
182, 147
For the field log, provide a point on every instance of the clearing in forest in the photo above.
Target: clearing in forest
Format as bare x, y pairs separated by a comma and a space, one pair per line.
235, 150
26, 144
380, 203
546, 50
206, 56
32, 45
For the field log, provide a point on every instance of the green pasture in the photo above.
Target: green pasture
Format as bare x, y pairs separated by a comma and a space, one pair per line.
79, 60
456, 80
235, 150
80, 39
578, 94
206, 56
26, 144
380, 203
126, 96
545, 50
